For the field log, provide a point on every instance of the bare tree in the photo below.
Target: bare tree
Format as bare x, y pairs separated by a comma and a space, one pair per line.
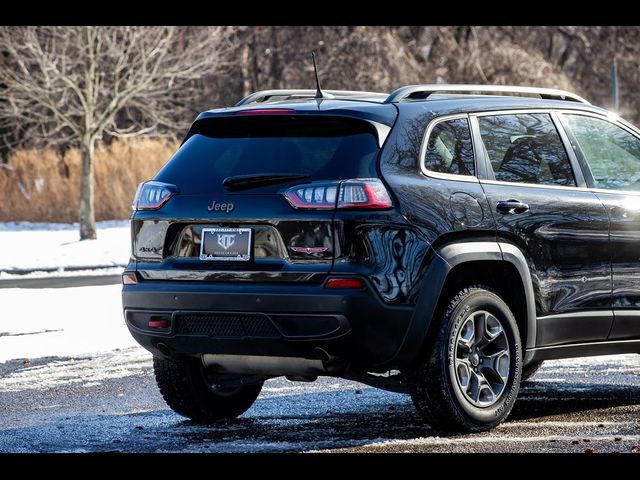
81, 83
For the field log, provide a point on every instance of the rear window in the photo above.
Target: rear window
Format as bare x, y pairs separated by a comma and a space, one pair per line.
325, 148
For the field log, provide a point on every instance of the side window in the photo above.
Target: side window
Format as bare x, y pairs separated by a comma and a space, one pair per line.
612, 152
449, 148
526, 148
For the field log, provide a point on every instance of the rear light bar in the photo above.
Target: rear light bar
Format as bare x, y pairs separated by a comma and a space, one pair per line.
359, 193
152, 195
344, 283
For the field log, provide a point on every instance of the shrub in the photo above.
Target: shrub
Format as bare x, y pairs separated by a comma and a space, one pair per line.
42, 185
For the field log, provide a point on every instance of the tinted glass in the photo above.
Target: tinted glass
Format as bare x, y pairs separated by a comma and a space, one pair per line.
526, 148
325, 148
449, 149
612, 152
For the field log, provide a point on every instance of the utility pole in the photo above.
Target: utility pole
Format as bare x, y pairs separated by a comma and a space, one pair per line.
614, 85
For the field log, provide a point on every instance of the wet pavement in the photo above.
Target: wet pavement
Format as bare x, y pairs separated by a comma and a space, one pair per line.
109, 402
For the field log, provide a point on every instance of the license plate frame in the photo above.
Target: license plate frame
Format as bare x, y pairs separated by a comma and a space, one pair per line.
213, 241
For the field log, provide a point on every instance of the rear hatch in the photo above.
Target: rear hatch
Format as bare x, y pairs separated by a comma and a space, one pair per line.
252, 197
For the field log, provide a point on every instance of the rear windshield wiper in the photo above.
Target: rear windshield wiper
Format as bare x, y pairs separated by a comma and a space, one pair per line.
238, 182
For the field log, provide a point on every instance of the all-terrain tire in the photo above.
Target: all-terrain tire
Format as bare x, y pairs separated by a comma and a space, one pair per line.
187, 389
433, 380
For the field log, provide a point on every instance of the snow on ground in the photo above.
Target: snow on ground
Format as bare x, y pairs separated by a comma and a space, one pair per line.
87, 371
61, 322
56, 246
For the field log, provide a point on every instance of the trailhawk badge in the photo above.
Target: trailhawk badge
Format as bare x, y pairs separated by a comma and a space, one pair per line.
309, 250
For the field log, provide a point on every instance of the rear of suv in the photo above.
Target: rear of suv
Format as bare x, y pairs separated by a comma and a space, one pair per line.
436, 241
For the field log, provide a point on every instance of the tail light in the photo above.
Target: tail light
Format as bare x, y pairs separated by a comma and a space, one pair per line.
153, 195
360, 193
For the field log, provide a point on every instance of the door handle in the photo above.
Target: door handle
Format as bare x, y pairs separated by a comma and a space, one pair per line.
511, 207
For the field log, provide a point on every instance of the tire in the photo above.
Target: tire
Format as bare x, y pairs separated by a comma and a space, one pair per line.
528, 371
436, 379
189, 391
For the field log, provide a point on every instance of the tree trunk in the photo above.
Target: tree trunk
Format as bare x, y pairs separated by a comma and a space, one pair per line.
244, 67
87, 214
276, 66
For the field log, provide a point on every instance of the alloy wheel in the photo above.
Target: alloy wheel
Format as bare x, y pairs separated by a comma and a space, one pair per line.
482, 359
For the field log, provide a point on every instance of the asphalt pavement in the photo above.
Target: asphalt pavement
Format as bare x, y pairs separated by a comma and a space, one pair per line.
61, 282
109, 402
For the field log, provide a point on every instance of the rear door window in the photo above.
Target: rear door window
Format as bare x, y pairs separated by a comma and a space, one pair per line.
525, 148
325, 148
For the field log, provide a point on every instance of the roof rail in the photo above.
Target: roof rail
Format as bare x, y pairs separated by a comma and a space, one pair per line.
264, 96
423, 91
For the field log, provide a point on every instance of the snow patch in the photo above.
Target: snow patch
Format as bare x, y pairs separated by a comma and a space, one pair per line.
35, 246
89, 372
61, 322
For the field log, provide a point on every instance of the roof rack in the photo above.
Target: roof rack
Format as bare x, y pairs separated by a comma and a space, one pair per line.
421, 92
266, 96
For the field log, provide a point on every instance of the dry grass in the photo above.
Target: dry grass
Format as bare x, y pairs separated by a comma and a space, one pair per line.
40, 185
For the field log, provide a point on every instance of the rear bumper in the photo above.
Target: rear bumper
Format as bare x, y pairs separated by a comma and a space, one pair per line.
293, 320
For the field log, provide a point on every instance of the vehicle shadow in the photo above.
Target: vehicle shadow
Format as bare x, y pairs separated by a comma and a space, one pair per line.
314, 421
379, 416
541, 399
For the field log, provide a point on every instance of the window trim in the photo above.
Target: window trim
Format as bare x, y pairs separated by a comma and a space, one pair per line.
425, 142
573, 150
576, 164
612, 119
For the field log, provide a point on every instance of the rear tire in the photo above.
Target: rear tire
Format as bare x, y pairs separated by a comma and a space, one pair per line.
190, 391
528, 371
468, 378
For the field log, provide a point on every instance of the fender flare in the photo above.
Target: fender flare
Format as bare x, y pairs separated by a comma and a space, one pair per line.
444, 260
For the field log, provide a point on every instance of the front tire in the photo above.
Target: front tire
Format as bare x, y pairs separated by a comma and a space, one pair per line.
469, 376
191, 391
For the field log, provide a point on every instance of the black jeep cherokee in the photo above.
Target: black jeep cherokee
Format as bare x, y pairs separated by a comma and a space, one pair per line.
441, 240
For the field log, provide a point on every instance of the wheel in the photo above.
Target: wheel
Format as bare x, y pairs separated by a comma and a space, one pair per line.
530, 370
192, 392
468, 378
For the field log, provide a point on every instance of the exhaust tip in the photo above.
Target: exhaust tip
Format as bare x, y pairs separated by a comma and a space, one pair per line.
163, 349
323, 355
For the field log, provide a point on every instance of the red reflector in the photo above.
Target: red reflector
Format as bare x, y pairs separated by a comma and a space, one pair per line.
129, 279
267, 111
158, 323
344, 283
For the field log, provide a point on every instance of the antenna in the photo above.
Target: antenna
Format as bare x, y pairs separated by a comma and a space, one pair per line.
319, 93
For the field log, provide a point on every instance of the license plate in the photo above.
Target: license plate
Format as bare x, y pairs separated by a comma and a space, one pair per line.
226, 244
